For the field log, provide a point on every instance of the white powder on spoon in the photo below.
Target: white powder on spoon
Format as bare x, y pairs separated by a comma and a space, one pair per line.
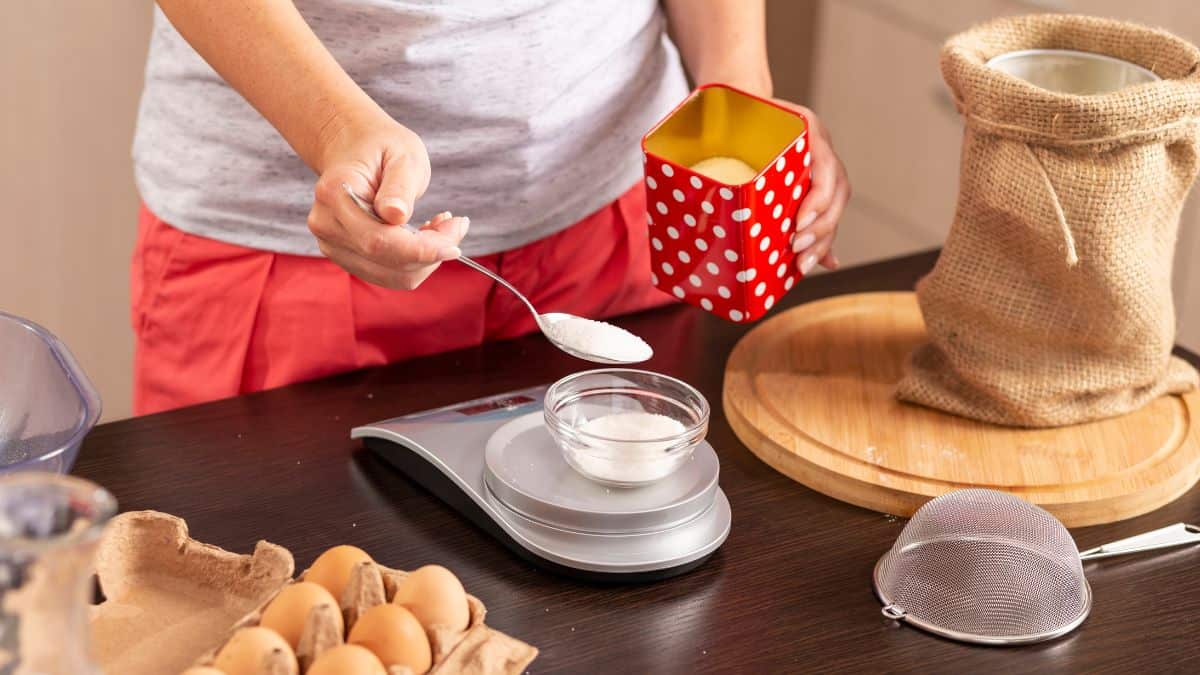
600, 339
621, 452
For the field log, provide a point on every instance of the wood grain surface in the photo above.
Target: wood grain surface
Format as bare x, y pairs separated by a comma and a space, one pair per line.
812, 393
789, 591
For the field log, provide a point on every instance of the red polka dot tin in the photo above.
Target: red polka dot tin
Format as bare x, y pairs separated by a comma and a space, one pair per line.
724, 247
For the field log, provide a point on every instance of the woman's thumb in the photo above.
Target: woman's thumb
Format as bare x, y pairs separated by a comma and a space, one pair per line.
398, 190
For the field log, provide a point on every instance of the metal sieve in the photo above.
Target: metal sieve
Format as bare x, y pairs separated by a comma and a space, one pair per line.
986, 567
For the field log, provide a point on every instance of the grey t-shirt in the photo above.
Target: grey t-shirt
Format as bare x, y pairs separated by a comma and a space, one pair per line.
531, 111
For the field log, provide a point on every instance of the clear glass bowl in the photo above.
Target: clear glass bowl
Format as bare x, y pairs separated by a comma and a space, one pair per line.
623, 427
47, 404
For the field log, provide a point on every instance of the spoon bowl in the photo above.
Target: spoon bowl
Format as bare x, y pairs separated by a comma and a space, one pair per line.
545, 321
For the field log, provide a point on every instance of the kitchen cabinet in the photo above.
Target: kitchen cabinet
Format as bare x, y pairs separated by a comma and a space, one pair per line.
877, 85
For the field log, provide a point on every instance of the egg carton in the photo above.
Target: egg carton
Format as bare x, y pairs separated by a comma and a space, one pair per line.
172, 602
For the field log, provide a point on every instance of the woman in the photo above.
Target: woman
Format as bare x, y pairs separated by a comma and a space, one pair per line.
523, 114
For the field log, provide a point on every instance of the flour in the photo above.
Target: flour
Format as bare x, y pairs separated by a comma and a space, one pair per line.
600, 339
729, 170
627, 449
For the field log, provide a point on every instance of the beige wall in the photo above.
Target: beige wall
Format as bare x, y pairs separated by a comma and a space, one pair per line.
72, 72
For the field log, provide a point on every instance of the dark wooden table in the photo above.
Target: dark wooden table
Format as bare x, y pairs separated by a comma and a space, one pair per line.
789, 591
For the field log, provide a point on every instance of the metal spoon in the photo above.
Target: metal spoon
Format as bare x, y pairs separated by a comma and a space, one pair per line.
544, 321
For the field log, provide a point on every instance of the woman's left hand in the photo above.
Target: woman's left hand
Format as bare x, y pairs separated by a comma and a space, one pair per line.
818, 215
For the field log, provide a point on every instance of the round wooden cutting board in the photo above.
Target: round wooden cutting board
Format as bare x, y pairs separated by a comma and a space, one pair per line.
811, 392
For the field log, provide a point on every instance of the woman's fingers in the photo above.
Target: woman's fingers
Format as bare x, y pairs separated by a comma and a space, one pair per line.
405, 278
812, 244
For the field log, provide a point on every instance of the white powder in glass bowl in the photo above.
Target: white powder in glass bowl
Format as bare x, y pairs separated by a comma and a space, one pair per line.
600, 339
623, 454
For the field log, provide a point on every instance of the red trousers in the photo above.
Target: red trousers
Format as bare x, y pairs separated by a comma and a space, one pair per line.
214, 320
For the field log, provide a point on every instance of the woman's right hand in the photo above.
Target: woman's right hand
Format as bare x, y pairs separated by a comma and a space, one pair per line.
386, 164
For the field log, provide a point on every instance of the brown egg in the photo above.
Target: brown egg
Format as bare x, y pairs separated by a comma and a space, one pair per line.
332, 569
393, 634
289, 610
435, 596
346, 660
202, 670
250, 650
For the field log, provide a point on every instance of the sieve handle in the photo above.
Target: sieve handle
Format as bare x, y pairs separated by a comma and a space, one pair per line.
1179, 534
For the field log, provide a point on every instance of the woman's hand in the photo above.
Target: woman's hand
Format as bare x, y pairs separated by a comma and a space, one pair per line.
819, 212
384, 163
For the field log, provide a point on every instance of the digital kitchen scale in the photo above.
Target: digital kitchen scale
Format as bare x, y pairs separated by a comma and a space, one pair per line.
493, 460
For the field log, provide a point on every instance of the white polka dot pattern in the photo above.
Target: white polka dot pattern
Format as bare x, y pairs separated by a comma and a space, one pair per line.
807, 159
769, 302
706, 304
785, 225
787, 180
713, 269
678, 292
735, 314
773, 258
651, 183
667, 268
684, 257
701, 245
758, 184
788, 283
781, 271
695, 181
656, 243
719, 231
653, 278
678, 195
662, 208
777, 211
755, 229
724, 292
726, 193
694, 280
769, 197
667, 170
672, 232
764, 244
707, 207
780, 163
689, 219
760, 288
741, 215
731, 255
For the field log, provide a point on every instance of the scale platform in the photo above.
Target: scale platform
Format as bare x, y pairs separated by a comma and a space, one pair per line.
493, 460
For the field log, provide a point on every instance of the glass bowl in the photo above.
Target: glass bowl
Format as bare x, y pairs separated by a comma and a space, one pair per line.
623, 427
47, 404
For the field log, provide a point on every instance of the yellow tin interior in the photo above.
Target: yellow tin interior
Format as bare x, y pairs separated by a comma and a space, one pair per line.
721, 122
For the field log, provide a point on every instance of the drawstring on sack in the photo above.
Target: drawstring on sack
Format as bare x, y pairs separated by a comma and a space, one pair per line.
1068, 237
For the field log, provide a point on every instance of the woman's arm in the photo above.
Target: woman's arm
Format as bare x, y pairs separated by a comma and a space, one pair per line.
725, 41
267, 52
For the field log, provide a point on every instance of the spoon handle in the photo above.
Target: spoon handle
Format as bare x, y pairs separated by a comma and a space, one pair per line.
370, 210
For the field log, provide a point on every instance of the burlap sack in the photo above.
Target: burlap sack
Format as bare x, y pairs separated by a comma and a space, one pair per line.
1051, 302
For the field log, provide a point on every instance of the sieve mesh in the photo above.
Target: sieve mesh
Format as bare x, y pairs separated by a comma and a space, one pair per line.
985, 565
